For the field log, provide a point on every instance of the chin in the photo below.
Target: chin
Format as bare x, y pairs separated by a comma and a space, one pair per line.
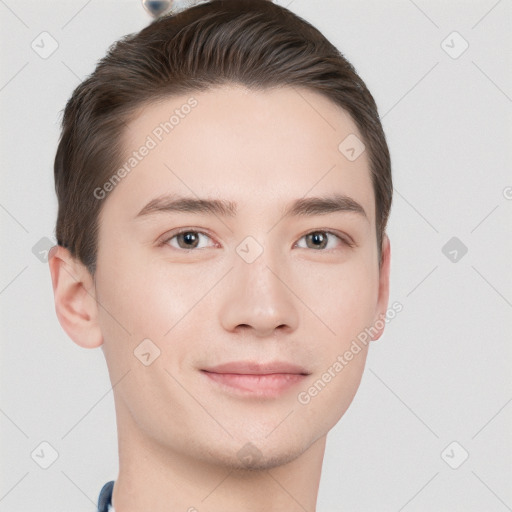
259, 454
262, 462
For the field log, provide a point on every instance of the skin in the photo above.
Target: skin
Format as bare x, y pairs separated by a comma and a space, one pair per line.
180, 433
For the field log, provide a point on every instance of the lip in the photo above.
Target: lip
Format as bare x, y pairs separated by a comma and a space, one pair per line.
251, 378
256, 368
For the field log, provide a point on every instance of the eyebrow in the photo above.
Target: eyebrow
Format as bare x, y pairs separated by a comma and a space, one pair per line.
308, 206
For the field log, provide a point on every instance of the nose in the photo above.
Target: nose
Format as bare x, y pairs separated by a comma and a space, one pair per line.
258, 298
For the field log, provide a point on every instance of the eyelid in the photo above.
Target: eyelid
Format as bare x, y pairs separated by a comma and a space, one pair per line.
345, 239
171, 234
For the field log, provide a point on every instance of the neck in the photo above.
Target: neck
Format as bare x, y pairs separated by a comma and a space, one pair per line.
155, 477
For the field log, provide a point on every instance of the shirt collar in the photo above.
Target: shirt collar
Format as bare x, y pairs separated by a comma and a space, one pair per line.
105, 498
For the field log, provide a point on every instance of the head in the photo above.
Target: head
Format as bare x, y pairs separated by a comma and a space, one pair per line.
188, 236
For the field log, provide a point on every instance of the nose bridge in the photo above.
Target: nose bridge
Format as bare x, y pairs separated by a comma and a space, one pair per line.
258, 296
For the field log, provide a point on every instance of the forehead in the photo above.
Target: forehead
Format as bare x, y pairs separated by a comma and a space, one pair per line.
255, 148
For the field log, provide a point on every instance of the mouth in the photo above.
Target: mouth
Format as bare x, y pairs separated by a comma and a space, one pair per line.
249, 378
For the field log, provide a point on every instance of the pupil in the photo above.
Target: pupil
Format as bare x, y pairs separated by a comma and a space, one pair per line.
189, 238
318, 239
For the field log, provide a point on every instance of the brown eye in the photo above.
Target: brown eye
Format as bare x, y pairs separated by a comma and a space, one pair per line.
186, 239
319, 240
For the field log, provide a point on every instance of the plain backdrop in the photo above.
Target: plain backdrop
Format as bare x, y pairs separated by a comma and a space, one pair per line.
430, 428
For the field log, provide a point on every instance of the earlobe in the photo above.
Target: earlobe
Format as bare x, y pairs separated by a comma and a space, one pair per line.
383, 300
75, 298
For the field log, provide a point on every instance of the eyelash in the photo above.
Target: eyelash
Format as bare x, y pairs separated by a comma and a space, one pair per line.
342, 239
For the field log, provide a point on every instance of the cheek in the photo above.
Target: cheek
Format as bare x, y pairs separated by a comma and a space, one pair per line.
157, 301
330, 393
342, 300
143, 300
347, 305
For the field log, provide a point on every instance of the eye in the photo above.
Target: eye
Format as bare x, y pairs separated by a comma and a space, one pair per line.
186, 239
320, 240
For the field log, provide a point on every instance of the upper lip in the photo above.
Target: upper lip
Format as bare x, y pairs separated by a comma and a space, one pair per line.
257, 368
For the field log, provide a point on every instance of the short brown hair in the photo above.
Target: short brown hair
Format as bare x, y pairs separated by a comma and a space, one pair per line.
255, 43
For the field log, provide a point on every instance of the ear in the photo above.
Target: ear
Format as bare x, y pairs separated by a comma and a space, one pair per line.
75, 298
383, 300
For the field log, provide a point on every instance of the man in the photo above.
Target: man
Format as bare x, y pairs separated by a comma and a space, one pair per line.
224, 186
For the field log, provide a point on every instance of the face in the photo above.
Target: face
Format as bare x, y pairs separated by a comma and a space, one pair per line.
231, 320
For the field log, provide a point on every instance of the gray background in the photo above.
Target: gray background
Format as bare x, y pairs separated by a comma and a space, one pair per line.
441, 372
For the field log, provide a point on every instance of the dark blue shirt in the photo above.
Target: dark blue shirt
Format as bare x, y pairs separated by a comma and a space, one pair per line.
105, 498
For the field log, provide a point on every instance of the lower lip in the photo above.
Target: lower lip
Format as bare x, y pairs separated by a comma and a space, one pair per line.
270, 385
